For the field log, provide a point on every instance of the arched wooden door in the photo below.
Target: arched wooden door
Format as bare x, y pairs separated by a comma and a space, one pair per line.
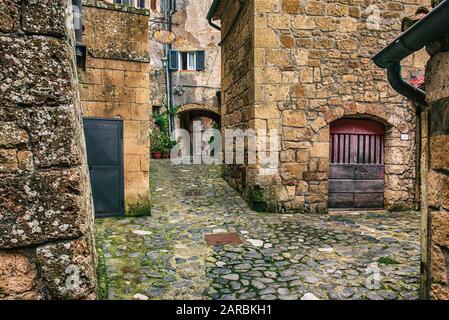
357, 170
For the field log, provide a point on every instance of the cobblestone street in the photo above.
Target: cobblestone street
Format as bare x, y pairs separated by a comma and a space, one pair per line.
337, 256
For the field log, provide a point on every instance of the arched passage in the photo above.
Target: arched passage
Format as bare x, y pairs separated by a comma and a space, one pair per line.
196, 118
357, 164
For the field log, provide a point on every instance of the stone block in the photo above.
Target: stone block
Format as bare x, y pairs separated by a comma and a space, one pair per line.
17, 274
8, 161
293, 171
440, 152
35, 71
292, 118
46, 17
9, 15
31, 214
440, 228
54, 136
68, 269
12, 135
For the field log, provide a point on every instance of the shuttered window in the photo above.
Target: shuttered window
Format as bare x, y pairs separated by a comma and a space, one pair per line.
200, 60
173, 60
187, 60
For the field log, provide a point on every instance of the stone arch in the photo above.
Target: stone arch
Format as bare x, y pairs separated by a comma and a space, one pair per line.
199, 107
400, 158
185, 116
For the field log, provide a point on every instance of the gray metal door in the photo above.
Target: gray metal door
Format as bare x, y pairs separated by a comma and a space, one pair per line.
104, 141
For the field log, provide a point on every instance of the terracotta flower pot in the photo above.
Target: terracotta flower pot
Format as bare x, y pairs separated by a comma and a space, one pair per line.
157, 155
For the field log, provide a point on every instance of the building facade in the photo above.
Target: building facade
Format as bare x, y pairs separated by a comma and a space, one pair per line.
115, 85
304, 69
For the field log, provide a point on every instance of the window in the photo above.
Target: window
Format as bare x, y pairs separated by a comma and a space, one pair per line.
187, 60
153, 4
136, 3
157, 110
124, 2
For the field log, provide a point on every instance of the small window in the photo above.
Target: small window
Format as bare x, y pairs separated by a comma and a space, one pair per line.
141, 4
187, 60
123, 2
157, 110
153, 4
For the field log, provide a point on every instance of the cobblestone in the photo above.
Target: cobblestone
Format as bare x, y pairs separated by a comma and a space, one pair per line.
344, 255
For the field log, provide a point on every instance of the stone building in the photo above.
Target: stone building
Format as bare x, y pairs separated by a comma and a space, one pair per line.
432, 106
304, 69
437, 175
46, 217
115, 84
193, 65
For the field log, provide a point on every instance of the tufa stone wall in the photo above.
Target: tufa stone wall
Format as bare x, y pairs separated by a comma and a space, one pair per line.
436, 175
116, 84
46, 217
304, 65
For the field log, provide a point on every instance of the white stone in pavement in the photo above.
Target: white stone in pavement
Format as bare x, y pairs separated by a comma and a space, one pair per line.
256, 243
140, 297
328, 250
219, 231
142, 232
309, 296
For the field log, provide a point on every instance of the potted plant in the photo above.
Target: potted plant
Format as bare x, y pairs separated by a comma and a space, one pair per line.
157, 144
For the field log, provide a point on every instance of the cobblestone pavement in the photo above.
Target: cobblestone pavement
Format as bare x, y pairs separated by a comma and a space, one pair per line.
337, 256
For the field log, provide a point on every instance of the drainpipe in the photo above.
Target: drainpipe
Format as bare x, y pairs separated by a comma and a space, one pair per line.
211, 14
80, 48
431, 28
167, 69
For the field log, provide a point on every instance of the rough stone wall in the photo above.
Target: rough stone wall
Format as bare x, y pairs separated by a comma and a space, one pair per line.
312, 66
438, 174
46, 216
116, 84
237, 55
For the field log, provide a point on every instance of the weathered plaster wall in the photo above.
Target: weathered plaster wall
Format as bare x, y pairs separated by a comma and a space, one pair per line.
311, 65
46, 216
436, 176
116, 84
194, 33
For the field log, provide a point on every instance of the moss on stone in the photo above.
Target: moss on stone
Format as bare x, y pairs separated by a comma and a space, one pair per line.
139, 210
388, 261
102, 277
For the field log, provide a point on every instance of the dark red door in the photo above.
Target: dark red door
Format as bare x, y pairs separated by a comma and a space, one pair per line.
357, 170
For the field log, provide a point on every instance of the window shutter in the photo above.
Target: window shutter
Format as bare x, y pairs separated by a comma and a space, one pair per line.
173, 60
200, 60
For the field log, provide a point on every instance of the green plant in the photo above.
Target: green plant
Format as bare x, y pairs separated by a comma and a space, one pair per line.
387, 260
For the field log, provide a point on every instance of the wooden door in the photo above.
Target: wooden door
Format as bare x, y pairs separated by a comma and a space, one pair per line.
357, 170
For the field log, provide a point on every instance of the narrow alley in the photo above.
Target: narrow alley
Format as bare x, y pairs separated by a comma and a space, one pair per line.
344, 255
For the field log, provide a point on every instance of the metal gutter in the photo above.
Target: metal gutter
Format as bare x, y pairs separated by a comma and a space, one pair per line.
212, 12
431, 28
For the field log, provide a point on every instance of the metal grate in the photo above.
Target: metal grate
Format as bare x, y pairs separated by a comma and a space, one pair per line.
357, 148
221, 239
193, 193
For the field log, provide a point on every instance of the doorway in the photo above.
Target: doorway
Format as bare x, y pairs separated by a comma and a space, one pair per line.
104, 142
357, 164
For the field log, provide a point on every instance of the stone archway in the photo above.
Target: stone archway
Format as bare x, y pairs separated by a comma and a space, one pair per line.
400, 159
207, 116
